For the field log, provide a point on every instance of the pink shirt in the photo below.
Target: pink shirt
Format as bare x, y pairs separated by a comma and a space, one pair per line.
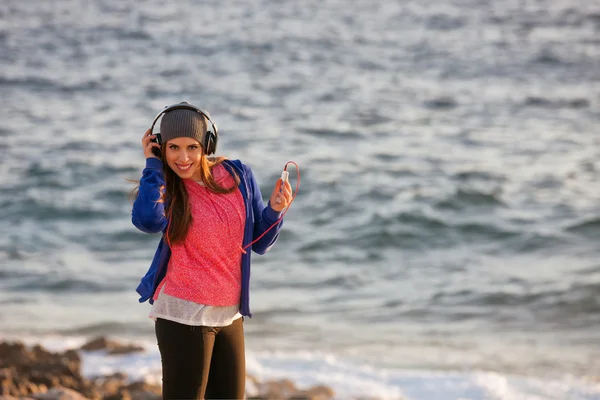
206, 267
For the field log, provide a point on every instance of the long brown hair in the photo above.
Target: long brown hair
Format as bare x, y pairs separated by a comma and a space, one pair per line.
175, 195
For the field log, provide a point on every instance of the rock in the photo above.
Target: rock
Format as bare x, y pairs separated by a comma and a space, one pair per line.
59, 393
110, 386
141, 390
122, 394
12, 351
285, 389
120, 376
44, 379
320, 392
125, 349
15, 398
99, 343
111, 346
8, 388
27, 371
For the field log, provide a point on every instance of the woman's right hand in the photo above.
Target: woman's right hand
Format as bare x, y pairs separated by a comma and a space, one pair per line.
148, 145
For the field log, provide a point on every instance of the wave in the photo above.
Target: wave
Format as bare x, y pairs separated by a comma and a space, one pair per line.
403, 230
71, 285
478, 175
79, 145
368, 117
332, 133
112, 195
558, 305
106, 328
589, 228
103, 170
37, 170
28, 208
274, 311
386, 157
320, 245
378, 193
444, 22
594, 270
528, 242
281, 89
17, 300
115, 242
463, 198
548, 57
121, 33
534, 101
441, 103
44, 170
407, 230
46, 84
434, 226
487, 232
13, 273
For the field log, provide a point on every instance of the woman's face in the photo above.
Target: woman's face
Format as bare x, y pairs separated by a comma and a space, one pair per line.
183, 155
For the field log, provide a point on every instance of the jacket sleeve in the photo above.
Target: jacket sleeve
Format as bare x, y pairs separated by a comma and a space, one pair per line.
264, 218
148, 215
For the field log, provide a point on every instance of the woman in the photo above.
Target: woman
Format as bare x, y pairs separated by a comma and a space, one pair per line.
209, 211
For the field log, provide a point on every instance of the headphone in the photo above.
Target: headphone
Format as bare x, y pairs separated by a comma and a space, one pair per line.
212, 135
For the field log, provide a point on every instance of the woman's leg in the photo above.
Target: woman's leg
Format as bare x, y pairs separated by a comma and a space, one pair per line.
185, 356
227, 378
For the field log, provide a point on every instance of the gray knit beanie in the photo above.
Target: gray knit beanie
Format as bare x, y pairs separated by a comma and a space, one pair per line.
182, 122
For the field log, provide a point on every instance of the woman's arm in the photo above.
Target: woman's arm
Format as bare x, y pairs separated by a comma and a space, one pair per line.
148, 214
264, 218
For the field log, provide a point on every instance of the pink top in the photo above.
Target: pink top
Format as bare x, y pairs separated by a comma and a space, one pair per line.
206, 267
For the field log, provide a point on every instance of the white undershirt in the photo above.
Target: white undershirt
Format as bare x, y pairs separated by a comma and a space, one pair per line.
190, 313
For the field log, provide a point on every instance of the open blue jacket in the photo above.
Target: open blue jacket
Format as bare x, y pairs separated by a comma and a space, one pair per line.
148, 215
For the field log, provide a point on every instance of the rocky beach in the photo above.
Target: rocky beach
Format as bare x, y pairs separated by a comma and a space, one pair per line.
33, 372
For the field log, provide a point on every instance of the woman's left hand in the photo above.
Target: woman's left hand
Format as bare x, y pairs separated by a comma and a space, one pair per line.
280, 200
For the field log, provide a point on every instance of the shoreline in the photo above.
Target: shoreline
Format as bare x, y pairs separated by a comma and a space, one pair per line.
34, 372
102, 368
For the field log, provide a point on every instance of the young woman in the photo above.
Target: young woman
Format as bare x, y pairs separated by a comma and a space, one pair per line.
209, 210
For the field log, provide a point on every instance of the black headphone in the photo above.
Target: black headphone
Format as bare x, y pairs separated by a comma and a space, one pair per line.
212, 135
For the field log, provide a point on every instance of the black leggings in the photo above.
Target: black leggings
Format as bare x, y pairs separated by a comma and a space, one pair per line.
189, 353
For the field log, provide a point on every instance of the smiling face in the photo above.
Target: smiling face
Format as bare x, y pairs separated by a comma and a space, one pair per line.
184, 155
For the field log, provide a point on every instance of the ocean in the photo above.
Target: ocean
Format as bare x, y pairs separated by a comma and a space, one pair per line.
443, 243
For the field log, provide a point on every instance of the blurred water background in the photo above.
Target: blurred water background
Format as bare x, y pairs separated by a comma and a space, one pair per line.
444, 241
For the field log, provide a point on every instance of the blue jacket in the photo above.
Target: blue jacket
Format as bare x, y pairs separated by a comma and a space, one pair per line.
148, 215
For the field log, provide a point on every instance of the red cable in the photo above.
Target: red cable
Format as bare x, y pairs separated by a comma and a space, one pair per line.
284, 212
